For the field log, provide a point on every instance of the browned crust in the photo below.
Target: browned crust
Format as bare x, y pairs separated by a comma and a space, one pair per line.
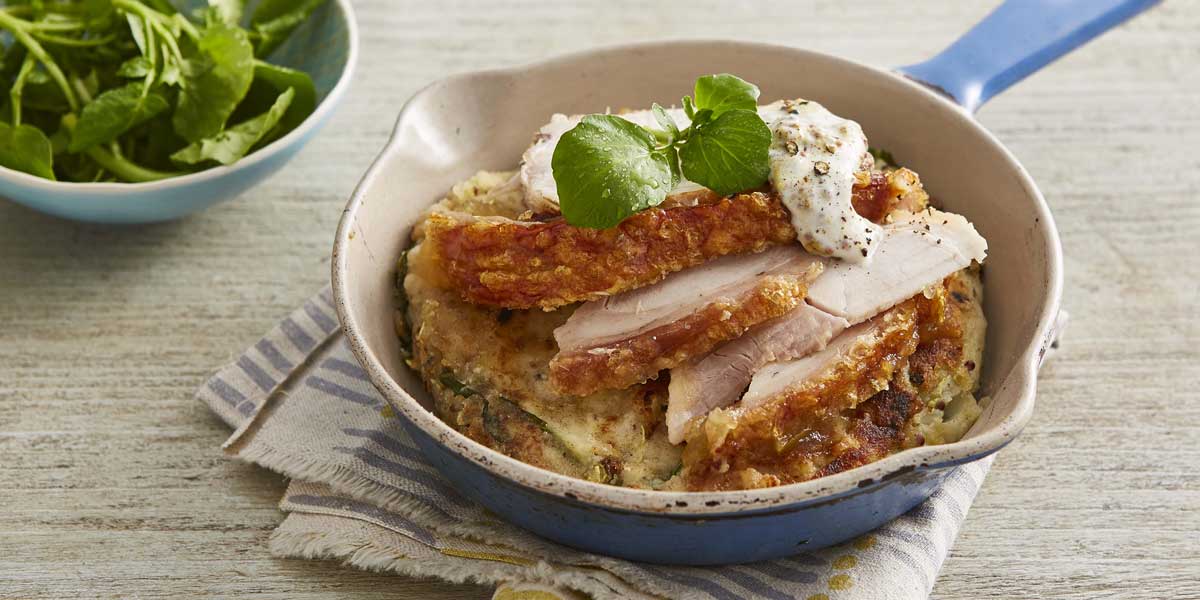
547, 264
783, 440
878, 427
522, 265
884, 423
642, 357
877, 194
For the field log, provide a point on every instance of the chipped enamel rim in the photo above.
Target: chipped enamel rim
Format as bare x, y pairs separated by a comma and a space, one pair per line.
316, 119
783, 498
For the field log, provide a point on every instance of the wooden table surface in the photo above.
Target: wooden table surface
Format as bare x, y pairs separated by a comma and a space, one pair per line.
112, 484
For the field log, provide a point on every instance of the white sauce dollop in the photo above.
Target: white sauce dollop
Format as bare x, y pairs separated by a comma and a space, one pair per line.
814, 156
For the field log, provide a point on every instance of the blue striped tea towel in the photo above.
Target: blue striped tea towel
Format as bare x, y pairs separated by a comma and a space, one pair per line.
362, 493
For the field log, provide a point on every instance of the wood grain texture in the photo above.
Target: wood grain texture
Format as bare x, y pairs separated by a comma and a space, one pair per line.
112, 485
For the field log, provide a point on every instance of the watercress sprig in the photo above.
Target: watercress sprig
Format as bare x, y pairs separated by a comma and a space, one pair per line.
607, 168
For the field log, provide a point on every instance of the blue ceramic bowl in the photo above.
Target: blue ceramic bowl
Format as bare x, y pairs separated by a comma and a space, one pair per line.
483, 120
326, 47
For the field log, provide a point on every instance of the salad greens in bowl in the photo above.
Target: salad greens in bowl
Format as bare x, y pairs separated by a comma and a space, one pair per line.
131, 111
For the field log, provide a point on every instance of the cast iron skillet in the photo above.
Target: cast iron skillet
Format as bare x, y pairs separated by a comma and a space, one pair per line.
921, 113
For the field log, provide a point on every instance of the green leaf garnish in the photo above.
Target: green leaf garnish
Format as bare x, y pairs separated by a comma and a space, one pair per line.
725, 92
275, 20
113, 113
229, 146
728, 154
135, 68
279, 79
607, 168
215, 78
25, 148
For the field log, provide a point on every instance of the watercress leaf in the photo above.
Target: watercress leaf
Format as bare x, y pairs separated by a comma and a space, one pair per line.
216, 76
228, 146
278, 78
113, 113
137, 29
665, 121
729, 153
607, 168
135, 68
725, 92
25, 148
38, 75
275, 20
228, 11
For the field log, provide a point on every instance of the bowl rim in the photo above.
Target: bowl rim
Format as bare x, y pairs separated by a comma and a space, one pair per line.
312, 121
686, 504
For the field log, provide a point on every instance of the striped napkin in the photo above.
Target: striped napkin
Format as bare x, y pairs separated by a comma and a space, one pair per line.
362, 493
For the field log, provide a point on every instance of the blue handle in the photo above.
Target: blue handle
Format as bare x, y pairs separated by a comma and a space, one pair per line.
1016, 39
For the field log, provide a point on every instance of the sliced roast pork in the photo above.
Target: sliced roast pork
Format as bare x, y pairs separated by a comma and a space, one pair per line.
786, 400
717, 380
917, 251
629, 338
776, 378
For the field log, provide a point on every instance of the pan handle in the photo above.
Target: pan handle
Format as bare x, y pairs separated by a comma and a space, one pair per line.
1016, 39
